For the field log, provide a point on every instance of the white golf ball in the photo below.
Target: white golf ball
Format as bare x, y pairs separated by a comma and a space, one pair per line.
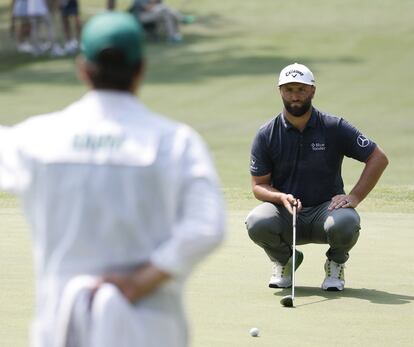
254, 332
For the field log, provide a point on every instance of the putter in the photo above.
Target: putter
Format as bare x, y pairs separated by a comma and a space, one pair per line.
289, 300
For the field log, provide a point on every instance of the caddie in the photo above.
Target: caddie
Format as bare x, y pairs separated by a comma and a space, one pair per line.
116, 192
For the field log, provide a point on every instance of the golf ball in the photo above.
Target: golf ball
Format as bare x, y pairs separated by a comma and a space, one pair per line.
254, 332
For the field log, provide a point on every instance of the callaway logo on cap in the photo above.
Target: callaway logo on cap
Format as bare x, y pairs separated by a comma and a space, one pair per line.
296, 73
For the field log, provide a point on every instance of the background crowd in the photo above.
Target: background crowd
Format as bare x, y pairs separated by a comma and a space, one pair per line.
52, 27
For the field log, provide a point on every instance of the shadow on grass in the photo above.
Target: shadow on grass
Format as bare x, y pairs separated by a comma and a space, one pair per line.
372, 295
182, 64
11, 59
209, 53
39, 77
5, 9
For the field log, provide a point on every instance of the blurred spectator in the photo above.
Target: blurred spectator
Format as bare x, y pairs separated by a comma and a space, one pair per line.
164, 18
20, 26
69, 11
110, 4
39, 15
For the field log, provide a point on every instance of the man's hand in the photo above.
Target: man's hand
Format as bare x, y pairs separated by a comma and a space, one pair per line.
263, 190
288, 200
343, 201
138, 284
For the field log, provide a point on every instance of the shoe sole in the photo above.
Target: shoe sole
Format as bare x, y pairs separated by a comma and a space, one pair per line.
333, 289
275, 286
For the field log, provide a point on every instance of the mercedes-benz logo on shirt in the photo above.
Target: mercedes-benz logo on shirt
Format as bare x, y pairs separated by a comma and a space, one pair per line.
362, 141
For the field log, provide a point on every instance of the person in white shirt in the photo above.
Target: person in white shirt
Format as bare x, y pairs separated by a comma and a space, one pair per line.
40, 16
20, 26
164, 17
114, 191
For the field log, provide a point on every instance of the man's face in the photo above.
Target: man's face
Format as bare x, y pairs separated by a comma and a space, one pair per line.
297, 98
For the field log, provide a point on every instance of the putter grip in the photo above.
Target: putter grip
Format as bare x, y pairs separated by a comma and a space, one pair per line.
294, 215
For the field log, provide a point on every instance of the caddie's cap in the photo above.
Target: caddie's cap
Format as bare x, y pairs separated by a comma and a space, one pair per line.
296, 73
112, 29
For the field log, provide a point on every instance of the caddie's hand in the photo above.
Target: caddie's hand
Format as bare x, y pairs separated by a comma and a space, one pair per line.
125, 284
138, 284
288, 201
343, 201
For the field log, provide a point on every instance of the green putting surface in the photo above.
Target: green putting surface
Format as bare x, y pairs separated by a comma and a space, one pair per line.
222, 81
229, 295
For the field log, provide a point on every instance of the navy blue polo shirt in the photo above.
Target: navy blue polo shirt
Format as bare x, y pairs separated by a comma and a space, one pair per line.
308, 164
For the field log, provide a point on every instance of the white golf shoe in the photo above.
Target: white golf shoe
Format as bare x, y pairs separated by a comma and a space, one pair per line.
57, 51
334, 276
71, 47
25, 47
282, 274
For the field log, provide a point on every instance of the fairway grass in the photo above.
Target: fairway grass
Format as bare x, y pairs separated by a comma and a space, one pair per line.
228, 294
222, 81
16, 276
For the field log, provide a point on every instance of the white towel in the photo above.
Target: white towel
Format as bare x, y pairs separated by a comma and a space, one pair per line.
107, 320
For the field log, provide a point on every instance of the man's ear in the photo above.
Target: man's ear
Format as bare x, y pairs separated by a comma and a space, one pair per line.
139, 75
82, 70
313, 91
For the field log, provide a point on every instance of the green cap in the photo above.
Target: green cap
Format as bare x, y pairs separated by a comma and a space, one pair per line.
112, 29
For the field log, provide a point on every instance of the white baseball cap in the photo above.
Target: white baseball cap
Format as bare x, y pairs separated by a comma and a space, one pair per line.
296, 73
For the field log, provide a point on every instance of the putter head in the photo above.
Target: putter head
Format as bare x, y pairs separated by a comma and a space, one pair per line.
287, 301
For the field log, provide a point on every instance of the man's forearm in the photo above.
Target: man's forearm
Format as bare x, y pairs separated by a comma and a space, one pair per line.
146, 279
266, 193
372, 172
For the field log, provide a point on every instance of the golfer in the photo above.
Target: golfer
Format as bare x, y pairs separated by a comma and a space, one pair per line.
116, 192
297, 156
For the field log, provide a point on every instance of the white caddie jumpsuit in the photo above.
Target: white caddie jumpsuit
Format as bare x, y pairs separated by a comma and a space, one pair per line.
106, 185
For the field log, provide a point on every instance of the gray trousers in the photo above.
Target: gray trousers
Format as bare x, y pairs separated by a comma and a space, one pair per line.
270, 227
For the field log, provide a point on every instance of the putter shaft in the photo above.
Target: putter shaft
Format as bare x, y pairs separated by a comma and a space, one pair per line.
294, 252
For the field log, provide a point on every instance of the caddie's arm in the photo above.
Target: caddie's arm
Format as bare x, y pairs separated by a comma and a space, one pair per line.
200, 222
374, 167
199, 226
263, 191
11, 167
138, 284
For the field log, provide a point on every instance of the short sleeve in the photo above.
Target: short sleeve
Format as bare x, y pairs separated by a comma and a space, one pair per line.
355, 145
260, 161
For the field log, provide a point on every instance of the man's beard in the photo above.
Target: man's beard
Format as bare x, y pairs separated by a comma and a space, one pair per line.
298, 111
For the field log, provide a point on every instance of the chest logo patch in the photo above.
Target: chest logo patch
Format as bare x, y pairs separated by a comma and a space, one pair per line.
253, 166
317, 146
362, 141
97, 142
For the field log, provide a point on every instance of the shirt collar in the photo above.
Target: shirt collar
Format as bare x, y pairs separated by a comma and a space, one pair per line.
110, 102
104, 95
312, 122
